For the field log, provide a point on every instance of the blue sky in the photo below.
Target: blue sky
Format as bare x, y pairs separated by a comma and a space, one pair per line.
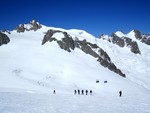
94, 16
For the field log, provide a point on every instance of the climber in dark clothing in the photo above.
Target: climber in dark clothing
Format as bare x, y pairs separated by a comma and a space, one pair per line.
120, 93
86, 92
75, 92
54, 92
90, 92
82, 92
78, 92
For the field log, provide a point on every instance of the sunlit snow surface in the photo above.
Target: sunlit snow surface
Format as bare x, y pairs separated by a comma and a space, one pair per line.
30, 72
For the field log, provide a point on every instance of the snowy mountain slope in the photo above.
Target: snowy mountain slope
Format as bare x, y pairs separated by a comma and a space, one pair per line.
47, 65
136, 66
31, 71
27, 60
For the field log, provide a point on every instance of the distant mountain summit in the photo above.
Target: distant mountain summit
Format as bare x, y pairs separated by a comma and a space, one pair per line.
33, 25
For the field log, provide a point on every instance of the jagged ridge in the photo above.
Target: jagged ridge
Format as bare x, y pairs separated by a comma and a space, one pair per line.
33, 25
67, 43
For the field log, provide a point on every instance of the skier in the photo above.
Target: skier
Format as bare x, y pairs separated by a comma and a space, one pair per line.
120, 93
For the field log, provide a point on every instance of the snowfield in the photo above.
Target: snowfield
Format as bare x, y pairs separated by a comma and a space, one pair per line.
30, 72
21, 102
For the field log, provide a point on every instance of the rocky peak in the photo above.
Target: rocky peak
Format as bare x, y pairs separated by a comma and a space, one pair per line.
117, 40
121, 40
142, 37
4, 39
138, 34
33, 25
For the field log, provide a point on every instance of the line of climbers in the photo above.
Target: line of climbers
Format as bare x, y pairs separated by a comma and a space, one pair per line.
82, 92
86, 92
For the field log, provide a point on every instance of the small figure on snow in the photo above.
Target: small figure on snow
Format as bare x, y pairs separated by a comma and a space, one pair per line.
120, 93
82, 92
54, 92
75, 92
90, 92
86, 92
78, 92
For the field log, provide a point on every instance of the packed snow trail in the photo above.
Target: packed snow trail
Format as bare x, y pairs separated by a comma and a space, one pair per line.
22, 102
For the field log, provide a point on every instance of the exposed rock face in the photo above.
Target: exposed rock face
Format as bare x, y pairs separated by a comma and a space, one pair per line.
33, 25
135, 48
146, 39
86, 47
67, 43
117, 40
4, 39
20, 28
138, 34
104, 55
126, 41
142, 37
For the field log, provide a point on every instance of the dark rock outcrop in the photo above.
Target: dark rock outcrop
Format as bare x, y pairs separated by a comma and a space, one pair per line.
4, 39
146, 39
135, 48
110, 66
85, 46
104, 55
34, 25
138, 34
67, 43
20, 28
117, 40
126, 41
48, 36
142, 37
